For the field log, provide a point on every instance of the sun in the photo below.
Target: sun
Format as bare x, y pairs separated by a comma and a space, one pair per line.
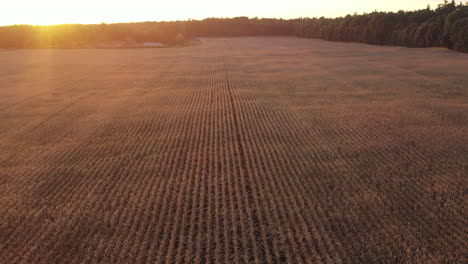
49, 12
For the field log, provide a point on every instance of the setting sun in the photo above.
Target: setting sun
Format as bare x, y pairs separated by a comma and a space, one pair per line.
47, 12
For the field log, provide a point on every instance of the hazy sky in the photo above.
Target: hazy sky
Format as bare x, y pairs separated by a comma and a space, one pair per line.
97, 11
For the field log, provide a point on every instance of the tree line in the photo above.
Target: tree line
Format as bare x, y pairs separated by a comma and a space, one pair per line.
444, 26
82, 36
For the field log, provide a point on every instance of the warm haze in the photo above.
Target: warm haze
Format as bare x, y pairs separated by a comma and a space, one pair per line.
235, 138
47, 12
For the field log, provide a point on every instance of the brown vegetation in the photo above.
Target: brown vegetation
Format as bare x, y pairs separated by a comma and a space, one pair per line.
244, 150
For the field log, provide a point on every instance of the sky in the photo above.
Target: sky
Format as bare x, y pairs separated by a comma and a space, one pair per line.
48, 12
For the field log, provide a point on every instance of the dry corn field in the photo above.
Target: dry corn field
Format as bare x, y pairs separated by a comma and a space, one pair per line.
242, 150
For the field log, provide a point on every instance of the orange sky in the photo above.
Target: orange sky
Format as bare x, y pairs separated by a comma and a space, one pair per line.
46, 12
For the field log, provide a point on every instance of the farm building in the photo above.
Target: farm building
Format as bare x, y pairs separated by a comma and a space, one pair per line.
152, 45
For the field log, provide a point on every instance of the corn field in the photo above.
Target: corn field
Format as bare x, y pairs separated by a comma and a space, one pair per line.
243, 150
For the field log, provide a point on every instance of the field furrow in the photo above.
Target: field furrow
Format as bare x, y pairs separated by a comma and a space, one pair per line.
242, 150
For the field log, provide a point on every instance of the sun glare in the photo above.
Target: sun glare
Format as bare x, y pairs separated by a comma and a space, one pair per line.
48, 12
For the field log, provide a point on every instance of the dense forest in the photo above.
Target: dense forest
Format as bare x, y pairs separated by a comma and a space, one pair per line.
444, 26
